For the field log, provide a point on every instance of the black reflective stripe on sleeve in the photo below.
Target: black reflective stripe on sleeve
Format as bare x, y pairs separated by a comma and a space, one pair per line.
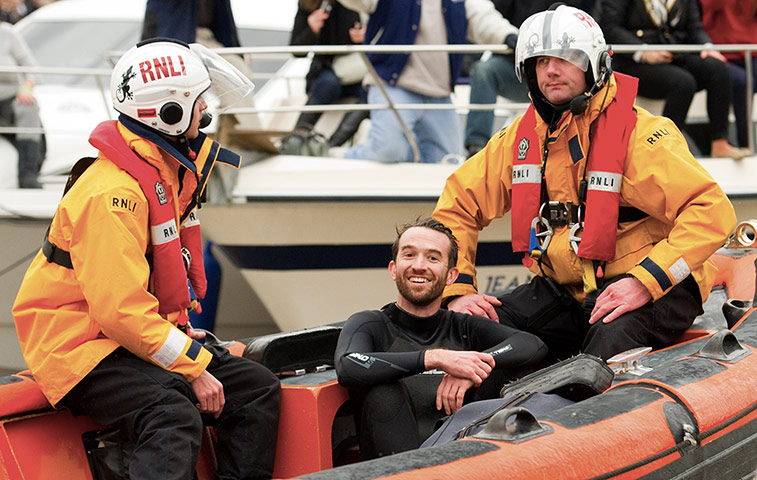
465, 278
194, 350
657, 272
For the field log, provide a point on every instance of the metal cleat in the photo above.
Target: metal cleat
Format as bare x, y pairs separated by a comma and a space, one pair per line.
630, 361
744, 236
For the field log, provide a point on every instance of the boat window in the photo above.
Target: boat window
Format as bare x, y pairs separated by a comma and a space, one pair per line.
81, 44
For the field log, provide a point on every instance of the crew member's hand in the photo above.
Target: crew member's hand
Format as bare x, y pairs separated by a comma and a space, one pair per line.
714, 54
357, 33
316, 20
656, 57
625, 295
476, 304
194, 334
450, 393
209, 392
24, 95
474, 366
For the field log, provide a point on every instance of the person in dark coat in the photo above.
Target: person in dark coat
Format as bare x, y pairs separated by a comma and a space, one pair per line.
674, 77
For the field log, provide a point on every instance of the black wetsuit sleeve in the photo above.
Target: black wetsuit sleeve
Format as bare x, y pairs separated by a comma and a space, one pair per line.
360, 359
511, 348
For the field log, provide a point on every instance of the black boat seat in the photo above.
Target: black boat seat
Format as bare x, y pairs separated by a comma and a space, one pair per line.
301, 350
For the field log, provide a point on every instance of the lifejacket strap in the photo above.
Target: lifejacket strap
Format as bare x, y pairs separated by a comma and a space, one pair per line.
56, 255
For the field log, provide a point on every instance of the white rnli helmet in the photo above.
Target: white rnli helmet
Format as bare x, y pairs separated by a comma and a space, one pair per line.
158, 82
567, 33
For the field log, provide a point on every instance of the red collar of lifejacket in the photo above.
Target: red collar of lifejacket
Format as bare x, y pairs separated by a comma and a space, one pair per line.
168, 281
606, 162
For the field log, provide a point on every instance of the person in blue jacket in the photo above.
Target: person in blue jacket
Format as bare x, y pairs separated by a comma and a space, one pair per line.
179, 19
420, 77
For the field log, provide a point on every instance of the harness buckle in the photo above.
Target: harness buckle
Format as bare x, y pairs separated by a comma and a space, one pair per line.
542, 238
561, 214
573, 236
556, 213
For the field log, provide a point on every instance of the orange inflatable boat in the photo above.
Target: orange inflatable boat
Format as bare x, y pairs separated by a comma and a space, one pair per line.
688, 411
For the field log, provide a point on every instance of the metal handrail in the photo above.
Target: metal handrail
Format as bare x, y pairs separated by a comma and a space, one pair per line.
364, 50
494, 48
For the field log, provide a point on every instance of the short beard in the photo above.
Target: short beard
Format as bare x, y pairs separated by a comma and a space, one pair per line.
422, 300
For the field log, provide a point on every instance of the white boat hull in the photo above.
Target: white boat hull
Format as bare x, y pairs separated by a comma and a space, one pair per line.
312, 236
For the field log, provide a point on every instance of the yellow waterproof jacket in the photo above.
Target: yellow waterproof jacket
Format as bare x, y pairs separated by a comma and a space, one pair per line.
68, 320
689, 216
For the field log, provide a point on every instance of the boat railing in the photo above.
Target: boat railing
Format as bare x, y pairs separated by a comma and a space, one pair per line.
746, 49
101, 77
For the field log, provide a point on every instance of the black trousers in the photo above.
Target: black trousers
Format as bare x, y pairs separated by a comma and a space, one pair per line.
156, 409
548, 311
678, 81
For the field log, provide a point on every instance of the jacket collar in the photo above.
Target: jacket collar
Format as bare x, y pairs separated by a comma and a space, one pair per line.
169, 148
559, 116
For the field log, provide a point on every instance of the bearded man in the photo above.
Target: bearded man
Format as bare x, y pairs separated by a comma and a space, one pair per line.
412, 362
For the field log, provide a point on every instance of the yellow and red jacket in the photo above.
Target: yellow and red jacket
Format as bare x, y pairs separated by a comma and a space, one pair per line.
688, 214
69, 319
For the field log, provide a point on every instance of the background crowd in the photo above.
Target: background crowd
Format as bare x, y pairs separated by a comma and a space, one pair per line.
436, 135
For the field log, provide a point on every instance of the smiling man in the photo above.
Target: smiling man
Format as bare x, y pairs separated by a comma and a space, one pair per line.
381, 353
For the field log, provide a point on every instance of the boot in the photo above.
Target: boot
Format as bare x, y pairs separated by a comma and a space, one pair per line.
348, 127
307, 120
28, 163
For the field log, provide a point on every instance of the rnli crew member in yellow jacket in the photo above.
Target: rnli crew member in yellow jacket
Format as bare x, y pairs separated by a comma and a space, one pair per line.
101, 314
614, 215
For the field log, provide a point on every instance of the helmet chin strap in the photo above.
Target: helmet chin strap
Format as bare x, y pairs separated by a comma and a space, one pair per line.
205, 119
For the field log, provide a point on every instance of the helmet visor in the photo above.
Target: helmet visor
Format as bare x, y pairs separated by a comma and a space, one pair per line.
574, 56
228, 85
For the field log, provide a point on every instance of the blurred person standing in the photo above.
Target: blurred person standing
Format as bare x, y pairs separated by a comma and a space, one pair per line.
18, 106
181, 19
420, 77
734, 21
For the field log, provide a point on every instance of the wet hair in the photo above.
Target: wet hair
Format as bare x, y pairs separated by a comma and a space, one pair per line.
433, 224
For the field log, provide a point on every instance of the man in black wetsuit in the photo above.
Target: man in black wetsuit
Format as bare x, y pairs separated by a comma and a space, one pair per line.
401, 361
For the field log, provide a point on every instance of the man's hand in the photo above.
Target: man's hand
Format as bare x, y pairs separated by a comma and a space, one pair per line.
357, 33
476, 304
656, 57
209, 392
316, 20
625, 295
473, 366
24, 95
714, 54
194, 334
451, 392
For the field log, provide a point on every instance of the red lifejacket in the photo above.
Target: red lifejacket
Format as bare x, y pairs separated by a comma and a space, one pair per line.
168, 280
606, 162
